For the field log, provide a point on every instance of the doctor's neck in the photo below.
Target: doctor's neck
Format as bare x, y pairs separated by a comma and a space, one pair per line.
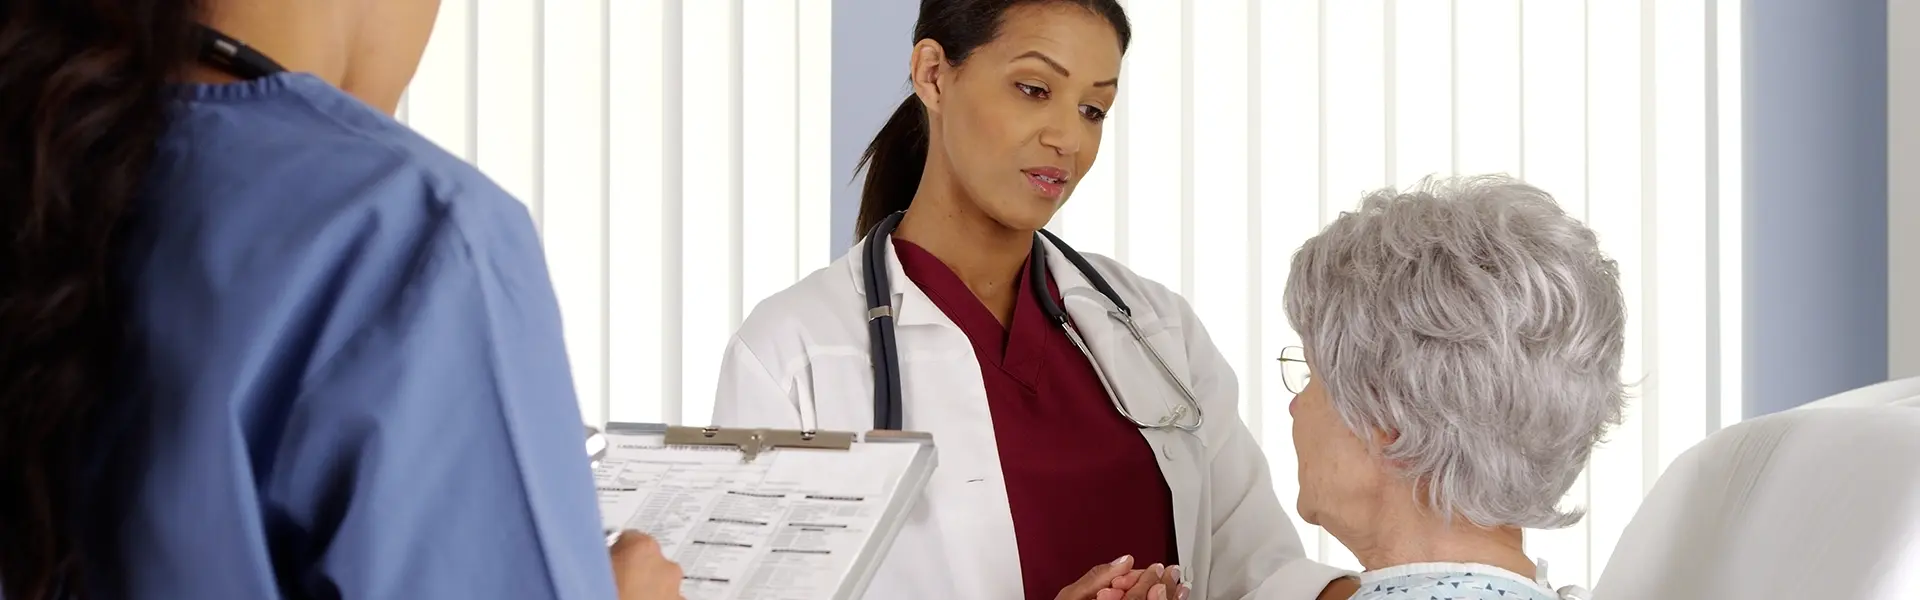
362, 48
985, 254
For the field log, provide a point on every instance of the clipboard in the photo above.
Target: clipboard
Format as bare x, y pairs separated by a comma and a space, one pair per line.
722, 463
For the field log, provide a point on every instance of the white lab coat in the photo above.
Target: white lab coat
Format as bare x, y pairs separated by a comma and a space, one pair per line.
801, 360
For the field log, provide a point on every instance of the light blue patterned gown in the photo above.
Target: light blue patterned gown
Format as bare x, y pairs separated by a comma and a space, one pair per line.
1459, 581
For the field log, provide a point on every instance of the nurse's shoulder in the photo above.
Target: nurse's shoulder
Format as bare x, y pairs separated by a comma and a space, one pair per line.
295, 154
377, 316
283, 204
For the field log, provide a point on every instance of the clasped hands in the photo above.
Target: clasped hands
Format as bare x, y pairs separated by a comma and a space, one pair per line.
1118, 580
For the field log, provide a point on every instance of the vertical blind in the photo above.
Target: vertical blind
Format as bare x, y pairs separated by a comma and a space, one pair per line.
675, 154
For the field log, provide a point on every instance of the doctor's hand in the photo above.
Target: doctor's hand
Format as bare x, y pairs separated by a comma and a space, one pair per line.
1152, 583
641, 571
1096, 580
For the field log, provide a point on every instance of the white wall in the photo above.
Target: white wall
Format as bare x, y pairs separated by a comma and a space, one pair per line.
1903, 188
1816, 171
629, 127
869, 81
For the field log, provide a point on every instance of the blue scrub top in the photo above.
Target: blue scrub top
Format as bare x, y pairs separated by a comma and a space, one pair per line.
345, 375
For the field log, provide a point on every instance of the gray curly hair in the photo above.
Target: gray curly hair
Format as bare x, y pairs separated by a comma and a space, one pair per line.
1480, 323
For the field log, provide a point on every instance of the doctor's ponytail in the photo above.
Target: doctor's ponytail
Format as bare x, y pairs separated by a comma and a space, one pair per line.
86, 101
893, 160
898, 154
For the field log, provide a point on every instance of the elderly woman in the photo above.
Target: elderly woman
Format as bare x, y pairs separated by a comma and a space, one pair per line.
1464, 347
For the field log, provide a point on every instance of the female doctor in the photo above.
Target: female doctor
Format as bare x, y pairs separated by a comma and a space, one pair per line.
1081, 412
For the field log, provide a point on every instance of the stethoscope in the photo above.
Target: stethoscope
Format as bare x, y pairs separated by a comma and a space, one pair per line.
887, 411
221, 51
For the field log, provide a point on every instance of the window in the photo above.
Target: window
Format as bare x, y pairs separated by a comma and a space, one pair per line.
626, 126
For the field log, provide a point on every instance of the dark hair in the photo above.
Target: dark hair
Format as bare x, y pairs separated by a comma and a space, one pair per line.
896, 156
86, 101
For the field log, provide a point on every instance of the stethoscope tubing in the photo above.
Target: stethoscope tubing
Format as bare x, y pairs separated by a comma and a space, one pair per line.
237, 59
888, 413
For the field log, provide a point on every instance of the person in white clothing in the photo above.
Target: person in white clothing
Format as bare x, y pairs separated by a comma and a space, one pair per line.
1081, 412
1461, 358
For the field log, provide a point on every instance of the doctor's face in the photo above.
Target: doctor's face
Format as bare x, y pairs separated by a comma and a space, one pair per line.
1019, 122
1341, 480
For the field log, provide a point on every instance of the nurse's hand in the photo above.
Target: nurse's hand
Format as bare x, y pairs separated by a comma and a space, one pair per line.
1097, 579
1152, 583
641, 571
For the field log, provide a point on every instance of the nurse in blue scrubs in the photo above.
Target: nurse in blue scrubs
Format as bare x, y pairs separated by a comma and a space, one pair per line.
259, 340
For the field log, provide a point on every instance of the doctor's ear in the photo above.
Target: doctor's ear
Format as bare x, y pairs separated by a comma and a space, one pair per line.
929, 69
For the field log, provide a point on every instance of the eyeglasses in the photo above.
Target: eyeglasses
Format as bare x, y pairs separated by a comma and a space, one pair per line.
1293, 369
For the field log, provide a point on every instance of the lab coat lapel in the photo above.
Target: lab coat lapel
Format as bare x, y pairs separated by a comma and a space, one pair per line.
968, 491
1179, 454
943, 394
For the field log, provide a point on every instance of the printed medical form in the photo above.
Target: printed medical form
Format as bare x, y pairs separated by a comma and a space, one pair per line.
786, 526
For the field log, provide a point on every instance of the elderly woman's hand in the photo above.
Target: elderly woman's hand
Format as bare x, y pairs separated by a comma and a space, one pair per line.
1113, 581
1151, 583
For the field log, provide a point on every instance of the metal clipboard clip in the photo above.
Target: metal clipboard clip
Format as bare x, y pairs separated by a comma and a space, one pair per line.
596, 446
752, 442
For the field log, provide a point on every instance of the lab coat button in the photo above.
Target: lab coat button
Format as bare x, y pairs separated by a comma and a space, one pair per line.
1166, 452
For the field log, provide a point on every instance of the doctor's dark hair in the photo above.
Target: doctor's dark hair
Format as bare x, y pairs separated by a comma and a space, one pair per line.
83, 103
897, 155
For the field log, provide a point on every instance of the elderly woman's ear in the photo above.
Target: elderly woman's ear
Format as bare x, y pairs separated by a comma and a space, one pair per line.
1384, 437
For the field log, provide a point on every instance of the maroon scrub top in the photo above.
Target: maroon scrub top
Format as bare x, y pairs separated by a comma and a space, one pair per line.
1083, 485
